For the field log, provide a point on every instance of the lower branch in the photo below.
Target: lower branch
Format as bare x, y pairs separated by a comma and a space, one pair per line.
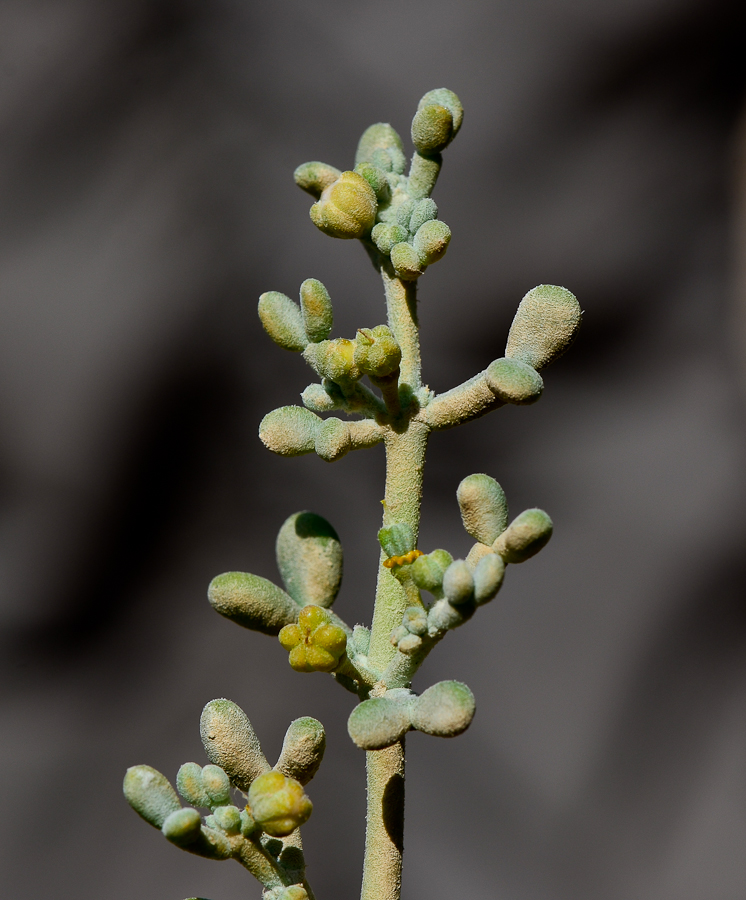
384, 835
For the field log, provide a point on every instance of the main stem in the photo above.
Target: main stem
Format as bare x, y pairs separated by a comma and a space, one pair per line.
405, 459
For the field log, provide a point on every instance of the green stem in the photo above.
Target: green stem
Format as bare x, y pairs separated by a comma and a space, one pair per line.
405, 460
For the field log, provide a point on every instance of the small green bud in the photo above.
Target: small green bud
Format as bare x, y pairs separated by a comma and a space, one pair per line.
314, 177
189, 785
513, 381
545, 325
446, 98
484, 509
309, 556
398, 634
458, 584
378, 144
441, 616
252, 602
415, 619
228, 818
318, 399
216, 784
406, 261
248, 825
361, 639
150, 794
316, 309
314, 644
183, 827
397, 539
488, 577
230, 742
385, 236
427, 571
333, 439
432, 128
283, 321
444, 710
423, 211
278, 804
377, 353
409, 644
431, 241
302, 749
333, 359
347, 208
289, 430
378, 723
376, 178
525, 536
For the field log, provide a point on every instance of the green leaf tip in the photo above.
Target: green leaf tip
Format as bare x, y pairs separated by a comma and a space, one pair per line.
252, 602
290, 430
347, 208
397, 539
316, 309
310, 559
525, 536
150, 794
283, 321
278, 804
315, 644
444, 710
544, 326
230, 743
302, 750
484, 508
514, 381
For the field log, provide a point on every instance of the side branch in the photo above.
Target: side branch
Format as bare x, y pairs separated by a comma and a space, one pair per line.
469, 400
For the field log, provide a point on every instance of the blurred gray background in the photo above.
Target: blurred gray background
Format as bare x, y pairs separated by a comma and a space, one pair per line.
146, 201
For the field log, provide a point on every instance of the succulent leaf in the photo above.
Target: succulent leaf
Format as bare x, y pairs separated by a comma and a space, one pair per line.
302, 749
544, 326
484, 509
443, 710
309, 556
378, 723
525, 536
514, 381
230, 742
150, 794
316, 310
252, 601
290, 430
283, 321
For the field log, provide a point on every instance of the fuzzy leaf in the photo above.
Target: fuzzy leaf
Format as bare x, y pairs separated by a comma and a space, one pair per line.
230, 742
252, 601
309, 556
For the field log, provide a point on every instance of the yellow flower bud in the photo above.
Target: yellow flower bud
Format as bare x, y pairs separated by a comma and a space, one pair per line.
315, 644
347, 208
278, 804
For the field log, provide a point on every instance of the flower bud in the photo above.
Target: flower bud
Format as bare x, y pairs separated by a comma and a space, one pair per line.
302, 749
385, 236
230, 742
282, 320
228, 818
378, 722
189, 785
513, 381
347, 208
314, 177
409, 644
484, 509
545, 325
488, 577
458, 584
309, 556
432, 128
444, 97
444, 710
427, 571
150, 794
216, 785
431, 241
252, 602
333, 359
316, 309
377, 353
406, 261
525, 536
278, 804
315, 644
289, 430
415, 620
